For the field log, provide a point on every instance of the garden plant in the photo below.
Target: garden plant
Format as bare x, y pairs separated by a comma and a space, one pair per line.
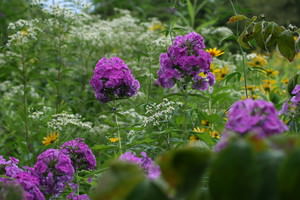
115, 101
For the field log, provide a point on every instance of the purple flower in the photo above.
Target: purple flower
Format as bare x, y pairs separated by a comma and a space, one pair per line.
202, 83
28, 181
81, 155
73, 196
296, 91
146, 163
112, 79
185, 59
54, 170
254, 116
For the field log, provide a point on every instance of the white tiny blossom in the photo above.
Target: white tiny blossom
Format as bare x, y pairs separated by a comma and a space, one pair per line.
159, 113
61, 120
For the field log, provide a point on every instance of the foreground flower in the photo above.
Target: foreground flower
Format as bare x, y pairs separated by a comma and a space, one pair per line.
254, 116
152, 170
186, 60
81, 155
112, 79
26, 180
214, 52
54, 170
50, 139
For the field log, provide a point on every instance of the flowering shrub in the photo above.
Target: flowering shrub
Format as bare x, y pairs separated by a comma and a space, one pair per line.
112, 79
186, 59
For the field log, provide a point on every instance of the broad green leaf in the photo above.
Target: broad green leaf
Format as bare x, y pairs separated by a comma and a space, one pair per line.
118, 182
183, 168
232, 173
286, 44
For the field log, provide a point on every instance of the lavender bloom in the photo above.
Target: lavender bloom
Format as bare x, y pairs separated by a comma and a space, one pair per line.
73, 196
202, 83
296, 91
54, 170
185, 59
152, 170
28, 181
254, 116
81, 155
112, 79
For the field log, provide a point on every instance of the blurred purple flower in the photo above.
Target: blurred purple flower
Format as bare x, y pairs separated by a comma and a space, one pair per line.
254, 116
73, 196
146, 163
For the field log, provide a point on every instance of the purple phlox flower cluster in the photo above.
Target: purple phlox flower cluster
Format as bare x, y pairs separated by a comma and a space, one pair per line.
81, 155
290, 106
55, 170
73, 196
146, 163
112, 79
296, 92
254, 116
28, 181
185, 60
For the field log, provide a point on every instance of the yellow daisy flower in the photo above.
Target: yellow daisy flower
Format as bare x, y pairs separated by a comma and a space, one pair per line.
220, 73
285, 81
193, 138
214, 52
199, 130
114, 139
202, 75
271, 72
258, 61
205, 122
215, 134
50, 139
268, 85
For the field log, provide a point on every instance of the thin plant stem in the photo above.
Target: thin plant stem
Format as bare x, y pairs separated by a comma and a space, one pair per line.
118, 127
243, 53
25, 99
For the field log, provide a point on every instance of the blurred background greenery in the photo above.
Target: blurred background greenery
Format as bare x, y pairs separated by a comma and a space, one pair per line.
210, 12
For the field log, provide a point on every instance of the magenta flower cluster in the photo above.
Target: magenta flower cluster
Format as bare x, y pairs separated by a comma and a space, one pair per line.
184, 60
257, 117
291, 106
52, 172
254, 116
112, 79
146, 163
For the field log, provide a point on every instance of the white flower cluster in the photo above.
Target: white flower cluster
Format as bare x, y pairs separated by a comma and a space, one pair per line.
10, 91
37, 115
24, 32
160, 113
132, 115
61, 120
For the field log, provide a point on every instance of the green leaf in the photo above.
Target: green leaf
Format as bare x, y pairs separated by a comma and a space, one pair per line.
289, 176
147, 190
118, 182
286, 44
232, 174
191, 12
183, 168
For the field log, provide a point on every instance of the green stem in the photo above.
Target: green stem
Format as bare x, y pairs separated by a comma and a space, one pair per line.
241, 50
118, 128
25, 100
